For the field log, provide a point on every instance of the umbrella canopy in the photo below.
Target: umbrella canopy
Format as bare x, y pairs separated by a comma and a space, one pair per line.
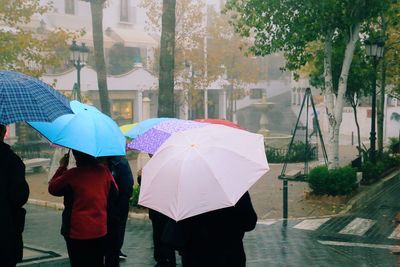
144, 126
127, 127
220, 121
25, 98
153, 138
87, 130
202, 169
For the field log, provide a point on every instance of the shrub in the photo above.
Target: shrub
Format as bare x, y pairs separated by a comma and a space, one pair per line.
342, 181
297, 153
373, 172
135, 196
394, 144
339, 181
318, 180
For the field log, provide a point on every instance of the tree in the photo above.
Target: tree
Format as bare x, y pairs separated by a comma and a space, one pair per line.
227, 49
292, 26
26, 49
167, 61
205, 53
359, 82
388, 25
188, 33
96, 7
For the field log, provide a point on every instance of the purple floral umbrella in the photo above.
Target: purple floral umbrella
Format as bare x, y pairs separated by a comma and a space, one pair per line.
152, 139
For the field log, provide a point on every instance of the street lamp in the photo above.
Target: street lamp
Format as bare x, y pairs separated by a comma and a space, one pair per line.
78, 57
374, 50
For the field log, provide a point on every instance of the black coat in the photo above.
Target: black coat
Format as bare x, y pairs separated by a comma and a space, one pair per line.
120, 169
14, 193
216, 238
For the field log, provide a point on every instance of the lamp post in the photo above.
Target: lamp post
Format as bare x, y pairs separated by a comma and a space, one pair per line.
78, 57
188, 94
374, 50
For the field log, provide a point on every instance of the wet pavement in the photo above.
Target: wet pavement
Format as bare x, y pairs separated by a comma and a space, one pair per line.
362, 238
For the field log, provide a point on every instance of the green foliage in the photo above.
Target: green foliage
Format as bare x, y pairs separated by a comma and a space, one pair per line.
133, 201
373, 172
359, 81
131, 154
307, 21
297, 153
339, 181
23, 48
318, 180
394, 143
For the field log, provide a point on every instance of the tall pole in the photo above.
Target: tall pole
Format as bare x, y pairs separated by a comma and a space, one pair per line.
372, 138
78, 75
205, 64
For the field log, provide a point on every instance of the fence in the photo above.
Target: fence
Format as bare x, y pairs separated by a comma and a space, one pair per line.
297, 154
32, 150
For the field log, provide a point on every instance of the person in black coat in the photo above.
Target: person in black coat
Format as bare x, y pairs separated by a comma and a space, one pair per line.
14, 193
216, 238
122, 173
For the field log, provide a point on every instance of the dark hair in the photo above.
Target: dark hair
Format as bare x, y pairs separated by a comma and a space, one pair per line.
2, 127
83, 159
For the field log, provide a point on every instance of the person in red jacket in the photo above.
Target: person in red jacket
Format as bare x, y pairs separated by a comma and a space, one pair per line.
86, 190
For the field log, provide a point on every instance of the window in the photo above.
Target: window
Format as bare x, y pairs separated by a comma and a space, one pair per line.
70, 7
256, 93
124, 12
122, 111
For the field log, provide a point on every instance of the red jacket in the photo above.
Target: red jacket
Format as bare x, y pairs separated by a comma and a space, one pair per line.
85, 191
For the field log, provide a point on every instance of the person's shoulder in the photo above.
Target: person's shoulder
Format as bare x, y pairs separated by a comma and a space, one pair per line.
9, 155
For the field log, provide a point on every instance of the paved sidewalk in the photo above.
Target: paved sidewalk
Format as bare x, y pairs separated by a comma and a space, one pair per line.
266, 193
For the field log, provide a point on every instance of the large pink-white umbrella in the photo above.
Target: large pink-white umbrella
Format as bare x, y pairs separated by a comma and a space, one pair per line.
202, 169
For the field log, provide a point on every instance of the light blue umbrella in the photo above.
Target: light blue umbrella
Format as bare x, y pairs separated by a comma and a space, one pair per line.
87, 130
25, 98
144, 126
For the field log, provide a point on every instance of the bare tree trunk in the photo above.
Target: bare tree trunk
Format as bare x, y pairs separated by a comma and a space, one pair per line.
381, 105
354, 106
335, 110
96, 7
167, 60
381, 109
329, 95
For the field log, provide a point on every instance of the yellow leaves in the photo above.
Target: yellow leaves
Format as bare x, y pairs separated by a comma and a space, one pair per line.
27, 50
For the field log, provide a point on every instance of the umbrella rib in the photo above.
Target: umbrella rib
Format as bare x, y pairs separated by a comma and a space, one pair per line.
216, 178
230, 150
179, 181
157, 173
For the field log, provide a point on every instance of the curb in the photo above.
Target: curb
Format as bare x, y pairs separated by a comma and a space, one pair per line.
60, 206
364, 197
49, 258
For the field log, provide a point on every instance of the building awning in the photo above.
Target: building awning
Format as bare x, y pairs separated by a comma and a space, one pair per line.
131, 37
88, 40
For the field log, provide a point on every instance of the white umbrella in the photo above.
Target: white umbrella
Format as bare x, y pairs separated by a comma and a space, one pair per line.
202, 169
